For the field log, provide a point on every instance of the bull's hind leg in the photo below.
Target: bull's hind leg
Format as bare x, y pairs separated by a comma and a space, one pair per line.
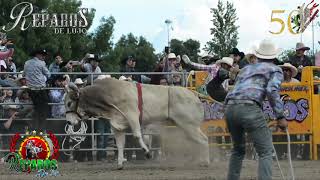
120, 141
197, 136
136, 130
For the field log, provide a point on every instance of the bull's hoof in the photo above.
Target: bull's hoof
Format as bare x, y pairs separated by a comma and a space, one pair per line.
148, 155
120, 167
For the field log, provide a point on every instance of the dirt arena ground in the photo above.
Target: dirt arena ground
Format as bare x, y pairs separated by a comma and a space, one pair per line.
151, 170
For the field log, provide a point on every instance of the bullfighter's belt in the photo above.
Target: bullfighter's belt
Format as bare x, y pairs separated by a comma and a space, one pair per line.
240, 101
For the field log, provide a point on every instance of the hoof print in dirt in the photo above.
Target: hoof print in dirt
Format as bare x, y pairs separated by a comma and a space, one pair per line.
148, 155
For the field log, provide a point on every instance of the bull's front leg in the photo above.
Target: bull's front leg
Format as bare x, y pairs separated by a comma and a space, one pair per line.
120, 141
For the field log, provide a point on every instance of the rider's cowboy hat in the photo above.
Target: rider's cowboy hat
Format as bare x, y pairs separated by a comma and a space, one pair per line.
78, 81
266, 50
225, 60
293, 69
301, 46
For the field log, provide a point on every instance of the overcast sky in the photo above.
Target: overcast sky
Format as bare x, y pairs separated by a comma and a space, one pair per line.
192, 19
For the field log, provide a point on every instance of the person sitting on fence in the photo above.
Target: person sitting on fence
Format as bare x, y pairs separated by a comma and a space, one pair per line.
289, 72
37, 74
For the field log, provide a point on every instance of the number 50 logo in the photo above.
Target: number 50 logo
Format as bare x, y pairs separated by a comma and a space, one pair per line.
282, 23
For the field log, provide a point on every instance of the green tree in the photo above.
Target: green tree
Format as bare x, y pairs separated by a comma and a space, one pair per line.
286, 54
176, 46
129, 45
189, 47
224, 31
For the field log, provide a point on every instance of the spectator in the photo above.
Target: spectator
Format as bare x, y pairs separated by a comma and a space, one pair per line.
172, 64
289, 72
236, 55
300, 60
79, 83
155, 78
21, 81
163, 81
5, 81
177, 80
129, 66
25, 111
5, 126
11, 67
250, 58
91, 66
56, 96
36, 73
6, 47
102, 126
8, 96
54, 67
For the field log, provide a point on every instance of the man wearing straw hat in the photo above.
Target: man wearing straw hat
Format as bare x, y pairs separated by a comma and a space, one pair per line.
244, 114
289, 72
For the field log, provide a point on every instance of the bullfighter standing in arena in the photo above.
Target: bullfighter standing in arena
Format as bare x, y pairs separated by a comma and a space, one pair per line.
244, 114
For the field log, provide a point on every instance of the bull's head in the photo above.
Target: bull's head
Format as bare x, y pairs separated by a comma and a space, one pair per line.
71, 100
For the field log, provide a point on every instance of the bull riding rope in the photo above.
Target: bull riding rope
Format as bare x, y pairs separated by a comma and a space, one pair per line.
76, 136
289, 159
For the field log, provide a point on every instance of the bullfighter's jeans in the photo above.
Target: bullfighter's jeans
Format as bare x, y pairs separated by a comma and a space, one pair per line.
102, 126
249, 118
40, 101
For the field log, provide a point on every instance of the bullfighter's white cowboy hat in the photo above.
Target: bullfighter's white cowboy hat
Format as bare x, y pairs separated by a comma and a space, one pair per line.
267, 50
225, 60
293, 69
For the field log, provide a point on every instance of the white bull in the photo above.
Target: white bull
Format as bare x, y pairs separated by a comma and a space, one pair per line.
117, 101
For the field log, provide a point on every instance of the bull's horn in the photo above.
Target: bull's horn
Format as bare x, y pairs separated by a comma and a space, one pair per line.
73, 87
